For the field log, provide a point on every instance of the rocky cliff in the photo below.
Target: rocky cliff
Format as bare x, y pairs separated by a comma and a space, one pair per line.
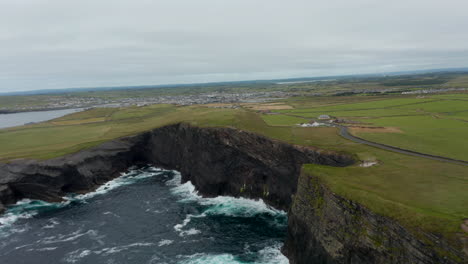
331, 229
223, 161
217, 160
233, 162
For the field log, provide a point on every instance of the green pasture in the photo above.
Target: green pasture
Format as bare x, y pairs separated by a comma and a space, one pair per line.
427, 134
283, 120
434, 124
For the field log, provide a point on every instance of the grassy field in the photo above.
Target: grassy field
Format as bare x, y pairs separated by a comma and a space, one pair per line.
70, 133
420, 193
436, 124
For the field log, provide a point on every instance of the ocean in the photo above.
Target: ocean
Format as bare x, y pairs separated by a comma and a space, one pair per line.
144, 216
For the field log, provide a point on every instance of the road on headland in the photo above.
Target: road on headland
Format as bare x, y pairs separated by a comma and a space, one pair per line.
345, 133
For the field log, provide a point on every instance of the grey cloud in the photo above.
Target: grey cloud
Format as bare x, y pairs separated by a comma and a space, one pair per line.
59, 44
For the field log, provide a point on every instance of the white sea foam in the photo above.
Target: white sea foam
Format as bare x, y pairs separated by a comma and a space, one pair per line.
191, 231
51, 223
210, 259
221, 205
165, 242
23, 209
69, 237
43, 249
28, 208
268, 255
113, 250
240, 207
9, 218
125, 179
76, 255
272, 255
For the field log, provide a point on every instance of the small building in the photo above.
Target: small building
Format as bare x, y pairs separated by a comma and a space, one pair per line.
323, 117
310, 124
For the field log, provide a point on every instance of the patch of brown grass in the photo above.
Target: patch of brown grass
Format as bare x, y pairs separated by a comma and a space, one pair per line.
363, 129
79, 121
269, 106
218, 105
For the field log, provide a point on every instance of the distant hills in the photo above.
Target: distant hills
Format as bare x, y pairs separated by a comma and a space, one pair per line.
285, 80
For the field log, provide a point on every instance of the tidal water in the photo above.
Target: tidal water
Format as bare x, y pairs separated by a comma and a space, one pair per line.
144, 216
19, 119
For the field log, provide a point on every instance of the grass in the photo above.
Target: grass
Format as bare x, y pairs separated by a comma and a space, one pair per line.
374, 104
65, 135
283, 120
419, 193
427, 134
436, 124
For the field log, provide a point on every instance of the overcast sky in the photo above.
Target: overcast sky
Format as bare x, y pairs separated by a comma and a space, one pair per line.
88, 43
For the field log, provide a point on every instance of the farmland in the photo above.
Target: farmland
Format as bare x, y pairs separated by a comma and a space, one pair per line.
434, 125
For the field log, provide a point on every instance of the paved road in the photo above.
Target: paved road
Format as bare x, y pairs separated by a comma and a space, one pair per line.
345, 133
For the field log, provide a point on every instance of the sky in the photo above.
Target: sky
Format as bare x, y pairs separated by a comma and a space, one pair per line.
87, 43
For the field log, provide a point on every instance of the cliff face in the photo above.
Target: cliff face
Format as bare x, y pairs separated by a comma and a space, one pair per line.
231, 162
223, 161
332, 229
217, 160
51, 179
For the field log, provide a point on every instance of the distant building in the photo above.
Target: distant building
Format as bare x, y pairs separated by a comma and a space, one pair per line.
323, 117
311, 124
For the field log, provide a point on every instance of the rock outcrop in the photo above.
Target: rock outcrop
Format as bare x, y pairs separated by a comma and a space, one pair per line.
323, 227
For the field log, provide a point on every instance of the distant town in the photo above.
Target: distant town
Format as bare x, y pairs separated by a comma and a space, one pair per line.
236, 92
69, 102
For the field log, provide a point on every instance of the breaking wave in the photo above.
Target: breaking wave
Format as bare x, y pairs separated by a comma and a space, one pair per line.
268, 255
28, 208
221, 205
232, 207
190, 229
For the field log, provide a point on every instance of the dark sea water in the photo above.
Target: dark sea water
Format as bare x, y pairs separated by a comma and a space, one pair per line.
144, 216
19, 119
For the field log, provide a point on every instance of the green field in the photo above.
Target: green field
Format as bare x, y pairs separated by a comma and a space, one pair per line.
282, 120
422, 194
435, 125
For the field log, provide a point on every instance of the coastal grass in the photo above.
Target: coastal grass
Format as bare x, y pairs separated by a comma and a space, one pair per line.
420, 194
74, 132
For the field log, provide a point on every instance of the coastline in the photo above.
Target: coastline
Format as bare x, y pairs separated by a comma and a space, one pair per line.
223, 161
